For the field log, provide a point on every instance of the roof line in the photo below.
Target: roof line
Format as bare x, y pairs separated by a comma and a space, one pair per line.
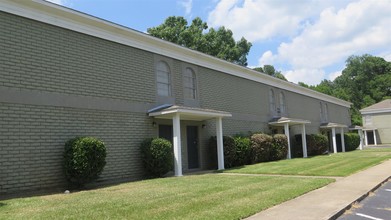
64, 17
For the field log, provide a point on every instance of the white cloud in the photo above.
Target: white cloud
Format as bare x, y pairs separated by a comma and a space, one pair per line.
308, 76
187, 5
313, 34
267, 58
361, 27
334, 75
258, 20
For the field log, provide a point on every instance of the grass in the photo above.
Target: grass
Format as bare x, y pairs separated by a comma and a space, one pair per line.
340, 164
209, 196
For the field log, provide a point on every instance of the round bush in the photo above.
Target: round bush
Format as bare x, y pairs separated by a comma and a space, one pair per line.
352, 141
157, 156
261, 147
317, 144
243, 150
84, 160
280, 147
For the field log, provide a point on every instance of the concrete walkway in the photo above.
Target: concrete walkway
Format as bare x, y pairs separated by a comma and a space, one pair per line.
330, 201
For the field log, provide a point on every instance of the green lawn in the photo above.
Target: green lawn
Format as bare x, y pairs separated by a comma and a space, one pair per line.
340, 164
209, 196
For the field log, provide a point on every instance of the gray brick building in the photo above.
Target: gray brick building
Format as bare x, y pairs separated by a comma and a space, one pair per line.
65, 74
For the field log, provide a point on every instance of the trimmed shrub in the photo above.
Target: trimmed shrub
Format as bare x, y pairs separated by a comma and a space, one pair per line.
261, 147
157, 156
280, 147
317, 144
243, 150
352, 141
229, 151
84, 160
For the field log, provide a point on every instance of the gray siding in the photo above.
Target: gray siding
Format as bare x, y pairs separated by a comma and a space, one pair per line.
56, 84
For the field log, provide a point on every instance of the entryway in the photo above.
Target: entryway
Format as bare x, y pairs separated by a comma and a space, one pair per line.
192, 147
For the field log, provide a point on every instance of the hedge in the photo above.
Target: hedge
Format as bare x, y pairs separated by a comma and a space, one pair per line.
317, 144
352, 141
84, 160
243, 150
157, 156
280, 147
261, 147
229, 151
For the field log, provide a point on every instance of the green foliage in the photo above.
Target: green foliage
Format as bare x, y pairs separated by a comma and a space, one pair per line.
84, 160
261, 147
229, 151
157, 156
243, 150
219, 43
317, 144
365, 80
352, 141
271, 71
280, 147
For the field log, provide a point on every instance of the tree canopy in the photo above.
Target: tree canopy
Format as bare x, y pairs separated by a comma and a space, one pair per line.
271, 71
365, 81
219, 43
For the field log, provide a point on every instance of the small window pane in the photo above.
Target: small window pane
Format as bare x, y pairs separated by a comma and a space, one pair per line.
163, 80
282, 102
272, 101
189, 84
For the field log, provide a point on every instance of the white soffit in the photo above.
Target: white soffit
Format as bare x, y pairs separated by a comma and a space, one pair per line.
70, 19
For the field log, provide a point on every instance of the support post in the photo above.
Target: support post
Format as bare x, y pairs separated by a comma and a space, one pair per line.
304, 141
361, 139
220, 147
342, 140
366, 138
374, 137
286, 129
334, 140
176, 121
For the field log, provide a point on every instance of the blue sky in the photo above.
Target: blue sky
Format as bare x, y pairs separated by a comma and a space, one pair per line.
308, 40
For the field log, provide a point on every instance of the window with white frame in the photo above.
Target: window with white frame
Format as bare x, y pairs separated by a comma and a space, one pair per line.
163, 79
272, 101
189, 84
282, 103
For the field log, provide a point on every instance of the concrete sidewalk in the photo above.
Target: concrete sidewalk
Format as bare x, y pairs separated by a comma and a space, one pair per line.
330, 201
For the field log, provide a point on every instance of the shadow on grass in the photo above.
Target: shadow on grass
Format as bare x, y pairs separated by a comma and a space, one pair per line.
2, 204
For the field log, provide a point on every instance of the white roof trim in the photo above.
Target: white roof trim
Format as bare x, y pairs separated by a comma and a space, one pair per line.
191, 112
376, 111
333, 125
290, 121
70, 19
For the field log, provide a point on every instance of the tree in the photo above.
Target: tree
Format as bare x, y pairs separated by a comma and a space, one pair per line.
365, 80
271, 71
219, 43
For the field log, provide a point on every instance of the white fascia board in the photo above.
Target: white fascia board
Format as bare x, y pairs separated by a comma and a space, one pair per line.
70, 19
190, 112
378, 111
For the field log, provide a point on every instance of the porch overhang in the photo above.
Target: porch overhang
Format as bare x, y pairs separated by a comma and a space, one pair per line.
365, 130
187, 113
333, 126
290, 121
330, 125
176, 114
286, 122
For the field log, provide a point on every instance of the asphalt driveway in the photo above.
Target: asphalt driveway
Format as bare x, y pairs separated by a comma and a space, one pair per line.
377, 206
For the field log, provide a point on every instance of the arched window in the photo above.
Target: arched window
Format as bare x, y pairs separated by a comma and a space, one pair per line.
163, 79
321, 112
326, 113
272, 101
189, 84
282, 103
